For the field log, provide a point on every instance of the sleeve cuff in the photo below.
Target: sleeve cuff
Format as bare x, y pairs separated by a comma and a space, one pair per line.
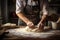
18, 11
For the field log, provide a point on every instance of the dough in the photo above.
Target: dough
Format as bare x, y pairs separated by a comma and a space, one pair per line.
37, 30
32, 30
28, 29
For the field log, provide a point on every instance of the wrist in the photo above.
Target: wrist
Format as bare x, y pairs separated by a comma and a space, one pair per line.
29, 23
40, 23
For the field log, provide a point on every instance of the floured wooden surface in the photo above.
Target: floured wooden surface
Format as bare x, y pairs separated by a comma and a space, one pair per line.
20, 32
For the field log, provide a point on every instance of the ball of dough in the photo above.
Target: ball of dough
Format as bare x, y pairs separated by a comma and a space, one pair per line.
28, 29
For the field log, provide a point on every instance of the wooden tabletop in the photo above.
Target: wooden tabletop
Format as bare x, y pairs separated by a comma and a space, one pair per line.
20, 34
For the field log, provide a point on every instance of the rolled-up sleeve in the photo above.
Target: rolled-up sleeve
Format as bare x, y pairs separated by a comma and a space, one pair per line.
18, 6
45, 11
45, 7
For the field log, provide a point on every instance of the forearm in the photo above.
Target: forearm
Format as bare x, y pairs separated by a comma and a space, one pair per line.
22, 17
43, 19
45, 13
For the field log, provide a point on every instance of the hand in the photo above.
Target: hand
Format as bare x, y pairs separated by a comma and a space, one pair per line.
40, 25
30, 24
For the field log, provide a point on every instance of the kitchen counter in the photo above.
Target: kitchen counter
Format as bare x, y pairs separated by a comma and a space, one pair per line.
18, 33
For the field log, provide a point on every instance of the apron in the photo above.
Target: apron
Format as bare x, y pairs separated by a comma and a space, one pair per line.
32, 13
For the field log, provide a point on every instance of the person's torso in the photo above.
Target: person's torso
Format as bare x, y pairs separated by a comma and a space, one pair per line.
31, 11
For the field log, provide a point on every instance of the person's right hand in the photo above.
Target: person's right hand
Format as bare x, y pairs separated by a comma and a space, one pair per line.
31, 25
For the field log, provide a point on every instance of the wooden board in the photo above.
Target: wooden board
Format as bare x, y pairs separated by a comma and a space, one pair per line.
18, 32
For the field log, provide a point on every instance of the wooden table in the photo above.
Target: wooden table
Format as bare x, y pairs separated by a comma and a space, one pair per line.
17, 33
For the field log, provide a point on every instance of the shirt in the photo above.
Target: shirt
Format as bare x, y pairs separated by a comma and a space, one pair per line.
20, 4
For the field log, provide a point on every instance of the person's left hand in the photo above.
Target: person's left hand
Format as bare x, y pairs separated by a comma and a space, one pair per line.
40, 26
